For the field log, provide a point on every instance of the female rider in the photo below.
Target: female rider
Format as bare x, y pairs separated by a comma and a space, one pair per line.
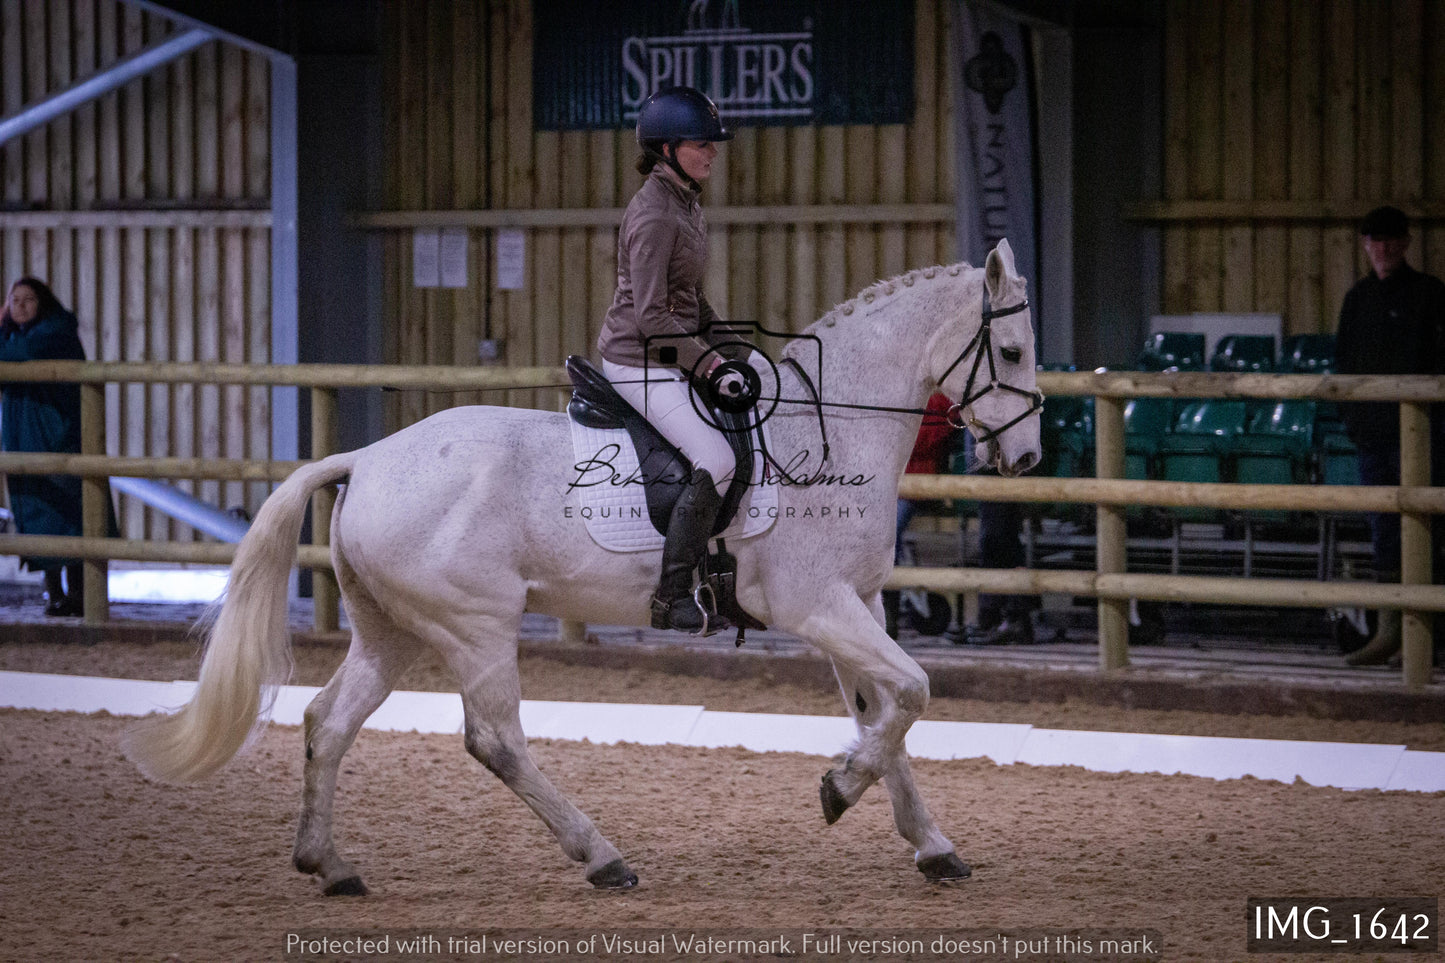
657, 332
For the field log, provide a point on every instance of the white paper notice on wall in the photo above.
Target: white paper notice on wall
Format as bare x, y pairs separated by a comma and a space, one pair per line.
454, 257
425, 258
511, 259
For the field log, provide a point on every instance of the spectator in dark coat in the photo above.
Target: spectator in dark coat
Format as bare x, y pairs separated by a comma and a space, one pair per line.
43, 417
1392, 322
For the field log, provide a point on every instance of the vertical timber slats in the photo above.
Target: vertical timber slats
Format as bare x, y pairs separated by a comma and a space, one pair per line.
1339, 103
783, 275
1265, 100
1432, 37
154, 293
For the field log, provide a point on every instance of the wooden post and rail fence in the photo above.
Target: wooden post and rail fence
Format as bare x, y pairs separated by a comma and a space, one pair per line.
1110, 583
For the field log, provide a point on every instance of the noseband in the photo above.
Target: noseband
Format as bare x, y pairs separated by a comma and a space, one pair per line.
981, 347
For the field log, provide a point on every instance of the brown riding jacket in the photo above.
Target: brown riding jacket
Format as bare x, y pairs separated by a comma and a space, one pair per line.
661, 256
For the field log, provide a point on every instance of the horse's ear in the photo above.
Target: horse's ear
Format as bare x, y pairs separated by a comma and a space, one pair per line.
1000, 265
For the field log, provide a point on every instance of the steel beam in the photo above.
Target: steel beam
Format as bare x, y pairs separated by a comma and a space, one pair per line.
285, 254
187, 509
99, 84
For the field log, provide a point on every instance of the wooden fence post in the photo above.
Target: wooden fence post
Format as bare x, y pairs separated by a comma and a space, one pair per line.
325, 593
94, 510
1111, 554
1415, 548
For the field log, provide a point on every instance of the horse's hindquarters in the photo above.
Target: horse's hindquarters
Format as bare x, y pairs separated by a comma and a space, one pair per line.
469, 513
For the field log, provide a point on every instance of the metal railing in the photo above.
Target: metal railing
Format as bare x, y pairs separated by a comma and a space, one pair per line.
1414, 499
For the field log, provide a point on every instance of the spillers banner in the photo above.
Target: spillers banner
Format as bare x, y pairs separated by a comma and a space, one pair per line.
995, 137
762, 61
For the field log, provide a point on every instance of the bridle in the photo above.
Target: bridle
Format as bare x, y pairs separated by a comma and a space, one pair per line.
981, 347
959, 416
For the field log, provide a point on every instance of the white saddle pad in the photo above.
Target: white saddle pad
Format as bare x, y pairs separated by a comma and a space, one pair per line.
612, 500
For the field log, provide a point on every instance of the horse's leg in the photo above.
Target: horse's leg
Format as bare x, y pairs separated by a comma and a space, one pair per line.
842, 789
491, 699
885, 692
379, 653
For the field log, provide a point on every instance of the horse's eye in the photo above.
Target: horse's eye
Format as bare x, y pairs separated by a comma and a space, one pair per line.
1012, 355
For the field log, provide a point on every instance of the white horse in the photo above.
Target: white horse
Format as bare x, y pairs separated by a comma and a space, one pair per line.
449, 530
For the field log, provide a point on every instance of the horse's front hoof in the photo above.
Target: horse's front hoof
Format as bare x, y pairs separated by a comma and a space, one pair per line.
615, 875
350, 886
834, 805
944, 868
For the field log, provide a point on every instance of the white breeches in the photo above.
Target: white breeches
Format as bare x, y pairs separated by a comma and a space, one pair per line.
666, 401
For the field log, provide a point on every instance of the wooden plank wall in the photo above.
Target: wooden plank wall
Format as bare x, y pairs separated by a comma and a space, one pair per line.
459, 121
191, 134
1331, 107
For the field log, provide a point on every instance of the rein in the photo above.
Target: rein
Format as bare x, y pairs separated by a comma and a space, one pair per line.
980, 345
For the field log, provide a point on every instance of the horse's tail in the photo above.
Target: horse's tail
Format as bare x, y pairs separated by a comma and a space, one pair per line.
248, 652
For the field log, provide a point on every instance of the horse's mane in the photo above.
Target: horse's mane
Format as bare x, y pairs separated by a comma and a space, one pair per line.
885, 289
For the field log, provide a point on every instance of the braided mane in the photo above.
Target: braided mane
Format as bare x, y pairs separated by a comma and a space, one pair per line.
884, 289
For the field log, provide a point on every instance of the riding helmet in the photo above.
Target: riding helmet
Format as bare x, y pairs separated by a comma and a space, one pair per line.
678, 114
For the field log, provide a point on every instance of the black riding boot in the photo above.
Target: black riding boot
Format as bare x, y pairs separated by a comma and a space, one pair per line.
57, 603
75, 587
687, 533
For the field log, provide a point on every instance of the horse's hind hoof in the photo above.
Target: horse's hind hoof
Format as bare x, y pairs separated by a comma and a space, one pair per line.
834, 805
350, 886
615, 875
944, 868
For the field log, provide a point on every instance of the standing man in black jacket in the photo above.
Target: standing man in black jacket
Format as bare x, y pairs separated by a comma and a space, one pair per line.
1392, 322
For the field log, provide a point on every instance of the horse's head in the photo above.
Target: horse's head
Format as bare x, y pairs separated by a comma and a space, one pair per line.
993, 374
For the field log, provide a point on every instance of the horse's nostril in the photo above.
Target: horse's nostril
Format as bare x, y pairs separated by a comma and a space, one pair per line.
1029, 460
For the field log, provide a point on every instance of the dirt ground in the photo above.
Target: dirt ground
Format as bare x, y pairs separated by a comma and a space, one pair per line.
101, 864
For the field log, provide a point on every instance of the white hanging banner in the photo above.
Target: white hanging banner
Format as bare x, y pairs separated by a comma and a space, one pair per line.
995, 149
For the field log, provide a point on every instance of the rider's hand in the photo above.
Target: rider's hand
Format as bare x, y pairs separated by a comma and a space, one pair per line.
732, 385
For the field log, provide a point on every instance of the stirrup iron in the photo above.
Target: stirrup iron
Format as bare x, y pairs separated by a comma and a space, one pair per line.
708, 611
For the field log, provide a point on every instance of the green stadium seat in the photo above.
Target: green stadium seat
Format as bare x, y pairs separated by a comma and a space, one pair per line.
1215, 424
1146, 424
1276, 450
1268, 468
1068, 427
1339, 460
1289, 423
1172, 351
1200, 465
1146, 421
1243, 354
1307, 354
1199, 447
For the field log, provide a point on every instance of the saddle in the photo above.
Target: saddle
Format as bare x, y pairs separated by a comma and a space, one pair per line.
665, 471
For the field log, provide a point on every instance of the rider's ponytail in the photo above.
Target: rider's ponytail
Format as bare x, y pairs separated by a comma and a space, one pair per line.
651, 156
655, 152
